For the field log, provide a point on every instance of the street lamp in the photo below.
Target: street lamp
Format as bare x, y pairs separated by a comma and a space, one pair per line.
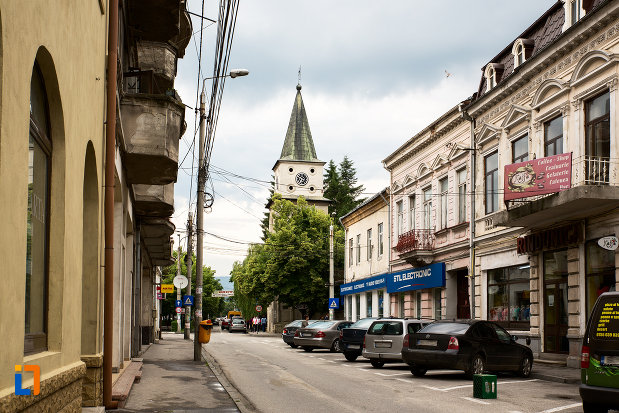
200, 210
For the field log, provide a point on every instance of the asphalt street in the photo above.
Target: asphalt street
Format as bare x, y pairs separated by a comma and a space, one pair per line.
270, 376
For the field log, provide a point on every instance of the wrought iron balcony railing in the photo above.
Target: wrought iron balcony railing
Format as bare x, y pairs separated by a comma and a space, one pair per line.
416, 240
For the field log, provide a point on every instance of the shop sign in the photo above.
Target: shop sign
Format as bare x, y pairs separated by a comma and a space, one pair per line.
538, 177
608, 243
417, 278
372, 283
550, 239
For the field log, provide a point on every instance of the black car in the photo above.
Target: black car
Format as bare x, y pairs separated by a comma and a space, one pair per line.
351, 338
290, 329
474, 346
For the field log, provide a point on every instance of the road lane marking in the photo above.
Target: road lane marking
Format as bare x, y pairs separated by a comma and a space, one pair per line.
444, 389
475, 400
405, 381
392, 375
558, 409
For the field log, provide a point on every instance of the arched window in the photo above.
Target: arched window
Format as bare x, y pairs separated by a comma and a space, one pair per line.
519, 55
491, 77
37, 248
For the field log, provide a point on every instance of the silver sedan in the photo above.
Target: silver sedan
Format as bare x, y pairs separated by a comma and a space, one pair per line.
322, 334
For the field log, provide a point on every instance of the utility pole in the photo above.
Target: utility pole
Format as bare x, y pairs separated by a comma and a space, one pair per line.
331, 281
197, 354
178, 290
189, 264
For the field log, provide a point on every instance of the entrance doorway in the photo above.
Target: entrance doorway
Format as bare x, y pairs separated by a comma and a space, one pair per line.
555, 302
463, 309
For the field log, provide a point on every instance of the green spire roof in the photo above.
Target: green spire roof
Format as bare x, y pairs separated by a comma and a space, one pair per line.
298, 145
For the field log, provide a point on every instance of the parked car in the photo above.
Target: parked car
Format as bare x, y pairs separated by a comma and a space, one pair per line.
474, 346
321, 334
225, 323
215, 321
290, 329
351, 338
384, 339
237, 324
599, 363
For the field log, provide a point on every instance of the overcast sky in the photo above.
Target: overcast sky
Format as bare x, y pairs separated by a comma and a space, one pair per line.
374, 73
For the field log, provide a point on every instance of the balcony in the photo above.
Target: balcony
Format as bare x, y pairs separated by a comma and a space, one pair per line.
156, 234
159, 59
159, 20
154, 200
416, 246
593, 191
152, 127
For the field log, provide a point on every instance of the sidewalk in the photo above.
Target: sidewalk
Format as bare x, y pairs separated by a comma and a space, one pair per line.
172, 382
559, 374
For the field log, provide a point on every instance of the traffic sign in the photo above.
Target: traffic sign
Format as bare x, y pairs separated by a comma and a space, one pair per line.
178, 309
258, 308
334, 303
159, 296
167, 288
188, 300
180, 281
178, 303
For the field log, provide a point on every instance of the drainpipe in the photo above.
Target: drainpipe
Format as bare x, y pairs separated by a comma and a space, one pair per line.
466, 116
110, 151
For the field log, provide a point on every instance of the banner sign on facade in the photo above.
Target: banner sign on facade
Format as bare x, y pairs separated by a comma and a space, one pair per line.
366, 284
223, 293
417, 278
538, 177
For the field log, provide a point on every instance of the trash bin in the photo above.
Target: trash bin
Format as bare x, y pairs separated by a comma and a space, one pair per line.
205, 331
484, 386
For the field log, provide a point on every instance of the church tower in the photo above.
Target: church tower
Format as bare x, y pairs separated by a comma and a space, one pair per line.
298, 171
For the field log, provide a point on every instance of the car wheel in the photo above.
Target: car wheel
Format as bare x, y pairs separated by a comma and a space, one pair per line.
593, 408
307, 349
351, 356
525, 366
335, 347
377, 364
418, 371
477, 366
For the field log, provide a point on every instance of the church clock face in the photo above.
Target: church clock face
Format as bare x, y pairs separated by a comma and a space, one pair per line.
301, 179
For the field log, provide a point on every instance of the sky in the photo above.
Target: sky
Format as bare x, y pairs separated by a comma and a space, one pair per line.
373, 73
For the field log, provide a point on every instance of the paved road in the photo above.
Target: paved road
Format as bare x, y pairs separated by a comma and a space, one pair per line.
273, 377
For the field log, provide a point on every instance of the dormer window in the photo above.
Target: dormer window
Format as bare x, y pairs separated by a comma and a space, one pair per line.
493, 75
574, 11
522, 50
575, 8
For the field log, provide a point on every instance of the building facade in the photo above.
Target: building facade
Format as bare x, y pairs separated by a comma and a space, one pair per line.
366, 259
547, 159
52, 169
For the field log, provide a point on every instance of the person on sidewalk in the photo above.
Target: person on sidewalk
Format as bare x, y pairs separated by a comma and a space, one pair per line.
264, 324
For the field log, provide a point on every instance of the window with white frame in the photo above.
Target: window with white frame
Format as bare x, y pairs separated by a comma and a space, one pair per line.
553, 136
400, 217
491, 181
522, 50
358, 248
519, 55
493, 73
443, 185
427, 208
575, 10
461, 174
369, 244
380, 239
350, 251
411, 212
520, 149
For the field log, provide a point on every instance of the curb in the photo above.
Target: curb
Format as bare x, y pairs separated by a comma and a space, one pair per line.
556, 379
242, 403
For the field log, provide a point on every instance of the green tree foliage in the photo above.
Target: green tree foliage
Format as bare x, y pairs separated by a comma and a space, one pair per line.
211, 306
293, 264
264, 223
341, 187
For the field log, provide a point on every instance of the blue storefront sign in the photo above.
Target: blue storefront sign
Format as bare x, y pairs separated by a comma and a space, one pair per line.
416, 278
372, 283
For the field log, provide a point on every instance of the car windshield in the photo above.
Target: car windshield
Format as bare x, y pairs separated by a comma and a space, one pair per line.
389, 328
321, 324
363, 323
445, 328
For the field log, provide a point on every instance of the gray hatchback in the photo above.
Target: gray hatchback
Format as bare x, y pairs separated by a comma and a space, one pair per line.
385, 337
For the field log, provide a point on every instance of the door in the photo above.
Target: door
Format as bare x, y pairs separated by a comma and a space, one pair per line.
463, 309
555, 302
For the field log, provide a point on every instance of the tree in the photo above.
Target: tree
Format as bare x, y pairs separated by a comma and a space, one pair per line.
341, 188
264, 223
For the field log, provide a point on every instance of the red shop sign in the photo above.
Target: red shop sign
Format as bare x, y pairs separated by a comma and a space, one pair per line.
538, 176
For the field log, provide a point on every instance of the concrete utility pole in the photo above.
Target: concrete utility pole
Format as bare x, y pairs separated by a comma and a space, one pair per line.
178, 290
331, 281
188, 289
200, 228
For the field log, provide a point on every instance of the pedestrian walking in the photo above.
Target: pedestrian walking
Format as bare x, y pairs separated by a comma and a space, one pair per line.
264, 324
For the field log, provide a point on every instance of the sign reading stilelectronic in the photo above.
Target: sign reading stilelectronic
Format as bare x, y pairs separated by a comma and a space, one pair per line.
413, 279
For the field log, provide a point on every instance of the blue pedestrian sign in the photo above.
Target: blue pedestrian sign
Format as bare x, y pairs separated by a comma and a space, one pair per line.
188, 300
334, 303
178, 303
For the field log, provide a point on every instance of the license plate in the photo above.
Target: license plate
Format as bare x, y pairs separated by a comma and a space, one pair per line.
355, 346
382, 344
429, 343
610, 360
306, 335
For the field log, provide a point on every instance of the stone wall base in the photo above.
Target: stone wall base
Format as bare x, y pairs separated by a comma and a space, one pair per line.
92, 384
60, 393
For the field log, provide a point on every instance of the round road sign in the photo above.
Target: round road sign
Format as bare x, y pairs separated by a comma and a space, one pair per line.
258, 308
178, 309
180, 281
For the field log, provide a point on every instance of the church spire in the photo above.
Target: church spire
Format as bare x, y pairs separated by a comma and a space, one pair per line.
299, 145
